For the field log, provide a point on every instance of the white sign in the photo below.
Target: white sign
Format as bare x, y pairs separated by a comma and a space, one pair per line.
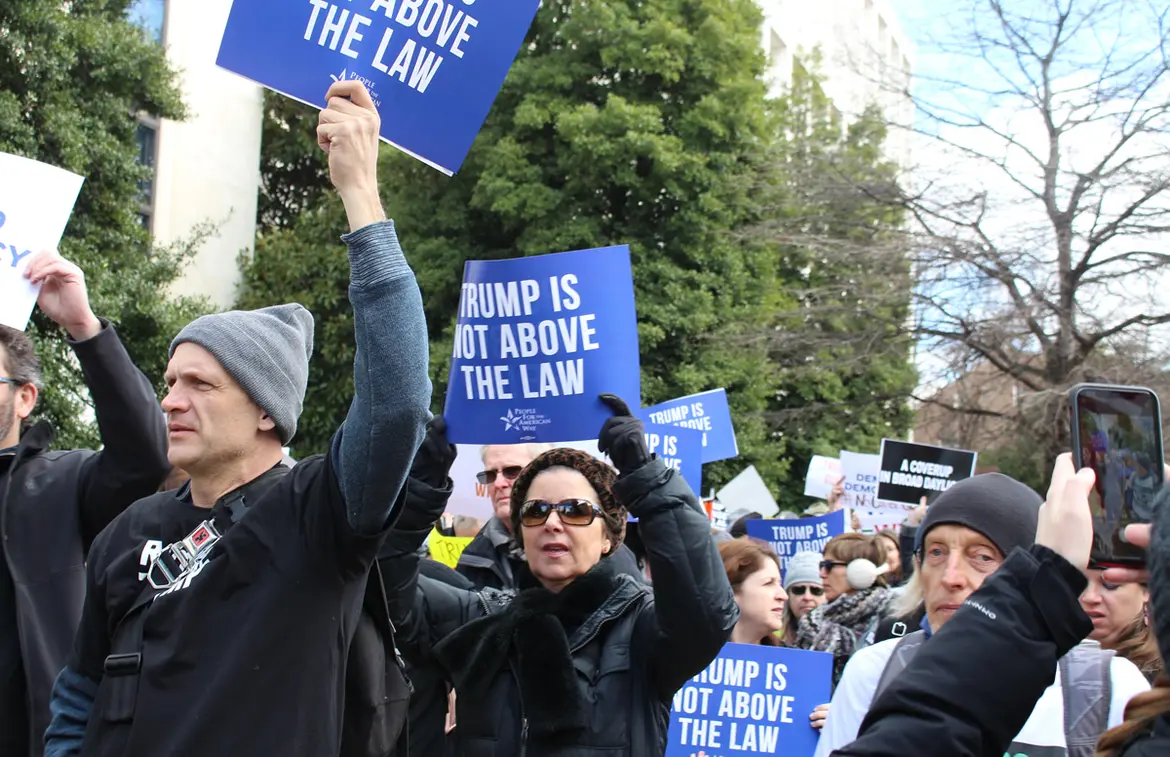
36, 201
823, 473
861, 480
747, 491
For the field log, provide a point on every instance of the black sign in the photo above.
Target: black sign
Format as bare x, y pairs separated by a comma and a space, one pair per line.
913, 471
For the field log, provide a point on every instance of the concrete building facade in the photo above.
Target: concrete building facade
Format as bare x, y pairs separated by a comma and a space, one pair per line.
207, 167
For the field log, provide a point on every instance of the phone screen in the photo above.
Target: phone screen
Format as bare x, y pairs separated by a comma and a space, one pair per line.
1120, 438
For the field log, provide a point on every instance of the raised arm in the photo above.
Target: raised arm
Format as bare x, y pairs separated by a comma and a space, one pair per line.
373, 450
951, 701
133, 459
694, 608
423, 610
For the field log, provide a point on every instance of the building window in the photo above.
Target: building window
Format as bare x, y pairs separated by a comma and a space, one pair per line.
149, 15
147, 136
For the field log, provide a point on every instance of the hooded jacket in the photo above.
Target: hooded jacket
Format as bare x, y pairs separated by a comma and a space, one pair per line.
630, 648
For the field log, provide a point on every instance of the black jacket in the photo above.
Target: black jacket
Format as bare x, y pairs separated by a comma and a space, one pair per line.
630, 655
952, 701
55, 503
1154, 744
424, 504
486, 564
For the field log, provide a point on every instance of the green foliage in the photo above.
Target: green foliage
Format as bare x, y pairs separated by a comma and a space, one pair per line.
621, 122
625, 122
72, 78
837, 330
294, 174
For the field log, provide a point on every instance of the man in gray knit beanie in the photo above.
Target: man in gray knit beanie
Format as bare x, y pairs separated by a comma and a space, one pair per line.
250, 592
266, 351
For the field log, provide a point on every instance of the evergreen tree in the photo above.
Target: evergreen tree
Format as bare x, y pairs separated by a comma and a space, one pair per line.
73, 79
621, 122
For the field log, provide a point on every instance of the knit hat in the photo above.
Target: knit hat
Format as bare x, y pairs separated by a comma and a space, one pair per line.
738, 528
266, 351
1159, 559
600, 476
803, 568
997, 506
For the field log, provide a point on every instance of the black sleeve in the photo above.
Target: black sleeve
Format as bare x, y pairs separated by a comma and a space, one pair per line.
133, 459
951, 700
694, 609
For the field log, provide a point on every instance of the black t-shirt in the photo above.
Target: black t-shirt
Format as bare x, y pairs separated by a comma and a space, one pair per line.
244, 656
13, 700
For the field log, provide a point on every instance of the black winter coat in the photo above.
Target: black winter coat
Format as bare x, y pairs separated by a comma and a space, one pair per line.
629, 655
55, 503
423, 505
971, 689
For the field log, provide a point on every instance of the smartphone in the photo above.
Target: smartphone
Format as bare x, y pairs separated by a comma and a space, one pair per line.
1117, 431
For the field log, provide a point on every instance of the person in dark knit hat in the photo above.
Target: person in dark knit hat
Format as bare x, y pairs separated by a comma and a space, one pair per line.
220, 613
583, 657
966, 536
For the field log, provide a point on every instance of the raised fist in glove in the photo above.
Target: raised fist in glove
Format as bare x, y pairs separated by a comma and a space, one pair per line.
623, 437
433, 461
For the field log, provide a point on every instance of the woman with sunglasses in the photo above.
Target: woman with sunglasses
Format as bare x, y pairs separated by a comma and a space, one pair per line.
802, 582
583, 659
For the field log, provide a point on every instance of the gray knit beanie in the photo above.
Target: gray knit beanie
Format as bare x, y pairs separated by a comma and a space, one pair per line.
1159, 560
803, 568
997, 506
267, 351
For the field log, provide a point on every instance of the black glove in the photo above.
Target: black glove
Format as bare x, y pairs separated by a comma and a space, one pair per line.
433, 461
623, 437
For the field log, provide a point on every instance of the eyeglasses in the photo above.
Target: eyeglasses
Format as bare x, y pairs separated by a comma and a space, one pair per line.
572, 512
828, 565
798, 591
488, 477
12, 381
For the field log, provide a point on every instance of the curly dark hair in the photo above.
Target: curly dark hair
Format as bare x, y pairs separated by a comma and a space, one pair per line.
600, 476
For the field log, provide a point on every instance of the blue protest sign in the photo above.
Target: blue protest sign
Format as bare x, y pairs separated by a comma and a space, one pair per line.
433, 67
536, 341
680, 448
707, 412
752, 700
787, 537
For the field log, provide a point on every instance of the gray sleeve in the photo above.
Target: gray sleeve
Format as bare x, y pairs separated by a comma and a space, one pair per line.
392, 390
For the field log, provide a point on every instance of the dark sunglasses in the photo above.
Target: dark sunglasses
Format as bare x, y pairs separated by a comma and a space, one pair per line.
488, 477
572, 512
828, 565
798, 591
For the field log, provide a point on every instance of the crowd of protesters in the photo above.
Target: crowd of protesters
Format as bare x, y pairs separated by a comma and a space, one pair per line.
188, 590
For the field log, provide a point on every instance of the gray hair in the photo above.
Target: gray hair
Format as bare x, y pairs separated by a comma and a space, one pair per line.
909, 598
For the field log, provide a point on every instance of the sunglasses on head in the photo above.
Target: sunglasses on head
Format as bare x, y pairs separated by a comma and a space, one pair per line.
488, 477
572, 512
798, 591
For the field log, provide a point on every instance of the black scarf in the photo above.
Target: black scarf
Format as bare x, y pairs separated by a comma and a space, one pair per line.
533, 632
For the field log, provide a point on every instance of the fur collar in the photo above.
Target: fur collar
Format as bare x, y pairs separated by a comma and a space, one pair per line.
532, 636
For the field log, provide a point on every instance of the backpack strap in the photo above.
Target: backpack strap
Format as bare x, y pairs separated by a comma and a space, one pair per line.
904, 652
1087, 685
